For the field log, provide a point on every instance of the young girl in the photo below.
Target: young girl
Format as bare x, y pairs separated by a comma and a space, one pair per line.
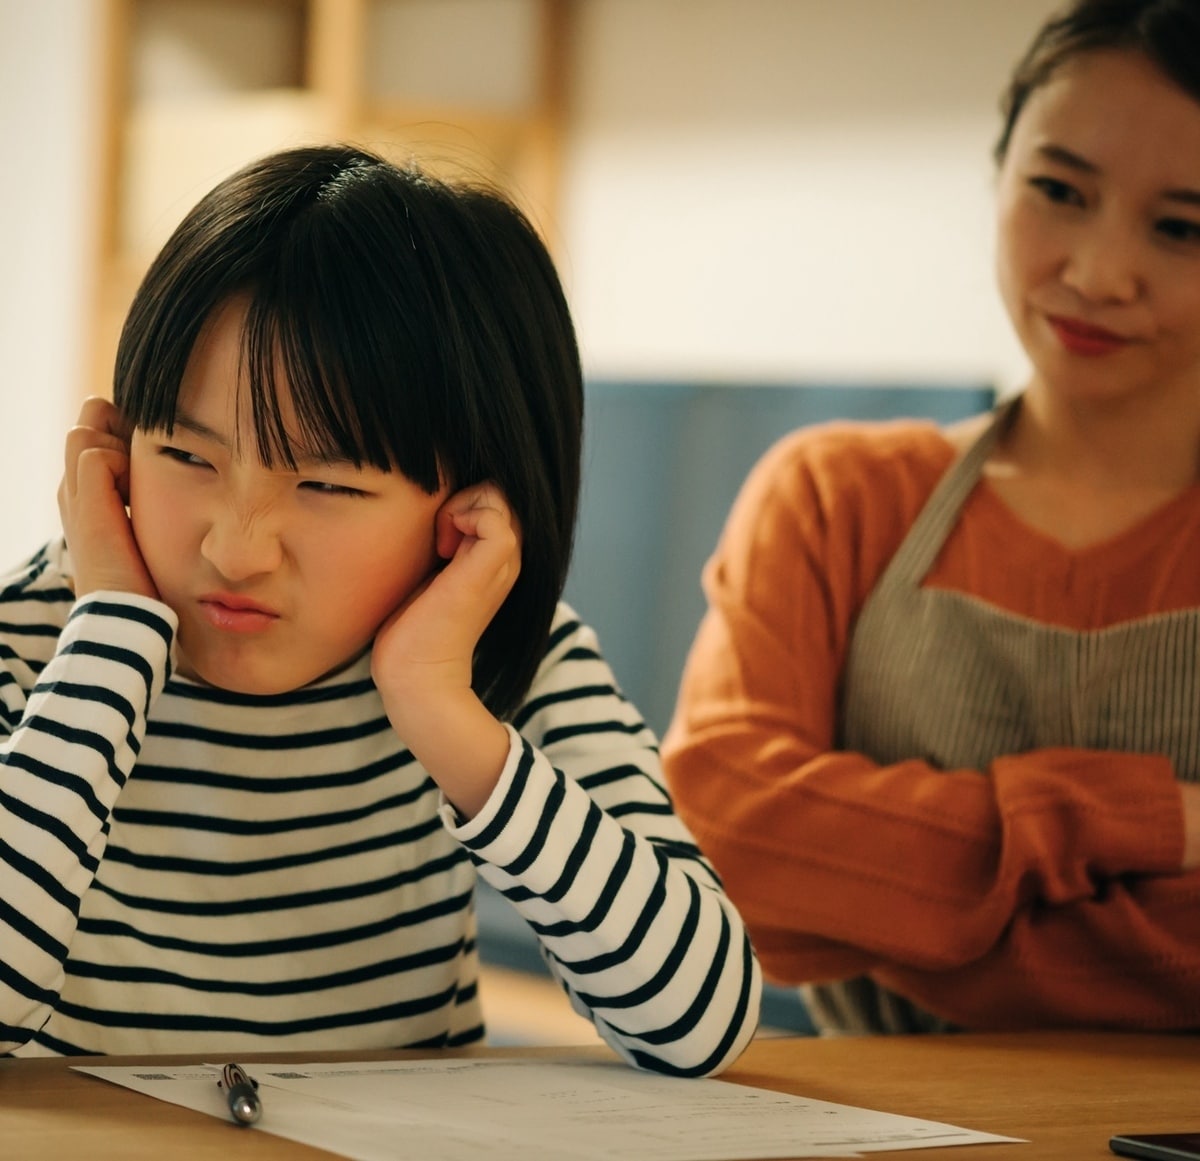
300, 672
940, 731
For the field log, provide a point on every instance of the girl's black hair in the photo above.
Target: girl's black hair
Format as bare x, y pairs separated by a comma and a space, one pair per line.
418, 326
1166, 32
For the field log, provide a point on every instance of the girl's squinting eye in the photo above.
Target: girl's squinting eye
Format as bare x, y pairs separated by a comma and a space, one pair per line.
183, 457
1059, 192
1179, 229
324, 489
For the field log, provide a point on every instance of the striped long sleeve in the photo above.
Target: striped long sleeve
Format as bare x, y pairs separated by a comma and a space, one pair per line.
72, 744
581, 837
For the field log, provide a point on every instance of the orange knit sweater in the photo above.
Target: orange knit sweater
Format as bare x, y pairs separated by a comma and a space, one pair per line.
1042, 891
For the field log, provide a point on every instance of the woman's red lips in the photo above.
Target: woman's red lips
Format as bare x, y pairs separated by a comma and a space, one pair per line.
1082, 338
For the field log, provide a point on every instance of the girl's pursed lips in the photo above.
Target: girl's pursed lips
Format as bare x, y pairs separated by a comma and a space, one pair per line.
237, 604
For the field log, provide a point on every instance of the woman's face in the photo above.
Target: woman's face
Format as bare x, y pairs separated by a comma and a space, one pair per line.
1098, 248
278, 577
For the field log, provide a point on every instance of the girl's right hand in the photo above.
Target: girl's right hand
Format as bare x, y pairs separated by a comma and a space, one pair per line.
92, 501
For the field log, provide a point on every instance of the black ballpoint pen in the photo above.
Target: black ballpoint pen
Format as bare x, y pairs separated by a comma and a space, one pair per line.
241, 1093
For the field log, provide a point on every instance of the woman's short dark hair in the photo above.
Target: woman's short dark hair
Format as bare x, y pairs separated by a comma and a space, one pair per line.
1166, 32
419, 327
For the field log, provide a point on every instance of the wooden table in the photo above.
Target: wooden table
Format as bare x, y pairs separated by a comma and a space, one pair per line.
1067, 1093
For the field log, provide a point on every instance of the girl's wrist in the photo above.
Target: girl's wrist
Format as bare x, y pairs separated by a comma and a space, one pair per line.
461, 744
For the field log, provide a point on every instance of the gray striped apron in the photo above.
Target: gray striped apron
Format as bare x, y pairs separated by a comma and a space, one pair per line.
951, 679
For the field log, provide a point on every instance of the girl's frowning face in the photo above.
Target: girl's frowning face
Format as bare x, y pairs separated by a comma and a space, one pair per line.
278, 576
1098, 251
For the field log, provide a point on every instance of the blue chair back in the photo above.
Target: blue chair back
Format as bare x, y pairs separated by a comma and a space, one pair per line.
662, 465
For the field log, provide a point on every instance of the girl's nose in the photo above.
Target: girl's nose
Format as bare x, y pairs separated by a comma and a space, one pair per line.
241, 547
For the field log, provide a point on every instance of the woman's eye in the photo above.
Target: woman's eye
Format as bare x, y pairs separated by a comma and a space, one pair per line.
324, 489
1179, 229
184, 457
1059, 192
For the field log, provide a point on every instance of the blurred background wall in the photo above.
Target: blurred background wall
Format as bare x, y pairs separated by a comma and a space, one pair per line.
47, 167
768, 190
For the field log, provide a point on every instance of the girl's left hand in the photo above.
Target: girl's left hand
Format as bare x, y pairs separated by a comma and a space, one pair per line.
424, 652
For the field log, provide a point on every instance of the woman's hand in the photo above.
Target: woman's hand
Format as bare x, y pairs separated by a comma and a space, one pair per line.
423, 654
1191, 824
92, 501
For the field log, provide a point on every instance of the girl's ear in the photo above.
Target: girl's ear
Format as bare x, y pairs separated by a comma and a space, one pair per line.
446, 535
121, 425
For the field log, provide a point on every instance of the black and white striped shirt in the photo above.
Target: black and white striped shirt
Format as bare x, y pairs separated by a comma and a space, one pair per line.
184, 869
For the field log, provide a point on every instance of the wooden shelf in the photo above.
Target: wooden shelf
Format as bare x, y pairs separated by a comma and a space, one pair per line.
192, 89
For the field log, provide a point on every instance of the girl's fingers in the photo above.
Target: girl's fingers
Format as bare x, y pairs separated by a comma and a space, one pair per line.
485, 495
92, 499
484, 524
481, 513
84, 439
101, 472
103, 415
100, 427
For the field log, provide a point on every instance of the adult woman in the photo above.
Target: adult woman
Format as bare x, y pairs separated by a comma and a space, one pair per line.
939, 731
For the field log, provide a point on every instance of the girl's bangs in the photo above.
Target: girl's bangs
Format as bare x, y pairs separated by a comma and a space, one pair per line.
314, 393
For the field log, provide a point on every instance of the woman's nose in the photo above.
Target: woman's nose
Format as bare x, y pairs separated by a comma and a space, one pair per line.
1103, 266
241, 545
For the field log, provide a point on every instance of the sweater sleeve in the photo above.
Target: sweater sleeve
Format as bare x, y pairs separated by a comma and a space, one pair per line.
842, 866
1125, 957
68, 751
581, 837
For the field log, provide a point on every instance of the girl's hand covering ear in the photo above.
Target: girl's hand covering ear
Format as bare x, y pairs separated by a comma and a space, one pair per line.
92, 501
426, 648
423, 654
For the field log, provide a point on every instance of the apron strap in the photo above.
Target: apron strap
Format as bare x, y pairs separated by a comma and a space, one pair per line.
919, 549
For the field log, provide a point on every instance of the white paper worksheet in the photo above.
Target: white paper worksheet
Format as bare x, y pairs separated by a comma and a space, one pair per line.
510, 1110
